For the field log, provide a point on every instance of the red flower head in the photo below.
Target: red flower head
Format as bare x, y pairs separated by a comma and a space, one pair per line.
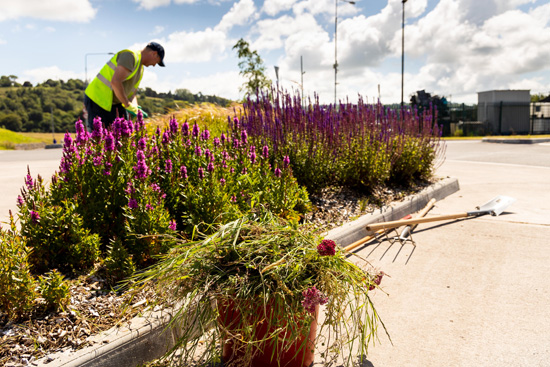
377, 280
327, 248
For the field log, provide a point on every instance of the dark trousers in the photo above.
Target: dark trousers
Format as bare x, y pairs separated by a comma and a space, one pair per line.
107, 118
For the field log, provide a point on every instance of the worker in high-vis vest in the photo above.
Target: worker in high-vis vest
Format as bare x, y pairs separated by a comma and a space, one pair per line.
113, 92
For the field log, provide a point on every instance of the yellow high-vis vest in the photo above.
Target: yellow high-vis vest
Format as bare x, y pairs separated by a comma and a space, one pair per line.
100, 90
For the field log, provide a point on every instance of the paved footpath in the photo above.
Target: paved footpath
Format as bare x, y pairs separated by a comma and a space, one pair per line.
474, 292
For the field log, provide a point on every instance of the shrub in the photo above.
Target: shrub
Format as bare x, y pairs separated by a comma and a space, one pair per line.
53, 289
17, 285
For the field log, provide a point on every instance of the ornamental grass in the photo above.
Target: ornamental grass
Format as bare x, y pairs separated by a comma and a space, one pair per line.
234, 266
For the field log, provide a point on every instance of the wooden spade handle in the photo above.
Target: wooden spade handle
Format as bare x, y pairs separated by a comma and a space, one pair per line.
399, 223
370, 237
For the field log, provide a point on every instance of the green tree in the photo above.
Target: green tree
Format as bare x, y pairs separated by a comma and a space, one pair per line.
12, 121
252, 68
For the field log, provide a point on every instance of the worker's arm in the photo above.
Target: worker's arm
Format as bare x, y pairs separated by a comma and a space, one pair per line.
121, 73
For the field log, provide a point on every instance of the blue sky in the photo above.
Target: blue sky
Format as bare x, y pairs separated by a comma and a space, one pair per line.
454, 48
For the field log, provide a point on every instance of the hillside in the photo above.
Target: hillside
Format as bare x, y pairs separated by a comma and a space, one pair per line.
55, 105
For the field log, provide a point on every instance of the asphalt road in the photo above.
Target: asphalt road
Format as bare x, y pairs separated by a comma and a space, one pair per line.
473, 292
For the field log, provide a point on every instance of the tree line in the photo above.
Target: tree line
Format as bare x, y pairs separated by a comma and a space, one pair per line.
55, 105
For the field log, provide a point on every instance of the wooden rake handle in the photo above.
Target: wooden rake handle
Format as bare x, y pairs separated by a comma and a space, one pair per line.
399, 223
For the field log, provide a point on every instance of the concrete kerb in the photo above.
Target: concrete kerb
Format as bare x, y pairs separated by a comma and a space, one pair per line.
516, 140
146, 338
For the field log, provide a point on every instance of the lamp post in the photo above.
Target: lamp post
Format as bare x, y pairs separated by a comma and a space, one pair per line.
402, 52
86, 64
336, 44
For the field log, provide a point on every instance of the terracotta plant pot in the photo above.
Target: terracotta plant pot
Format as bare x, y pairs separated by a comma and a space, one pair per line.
293, 353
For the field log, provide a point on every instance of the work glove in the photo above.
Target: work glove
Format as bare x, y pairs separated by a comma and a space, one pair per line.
132, 110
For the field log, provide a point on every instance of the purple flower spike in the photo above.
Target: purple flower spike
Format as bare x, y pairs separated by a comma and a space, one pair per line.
265, 151
223, 138
217, 142
222, 181
210, 167
253, 157
174, 127
201, 173
81, 133
205, 134
172, 225
20, 201
109, 142
196, 130
286, 161
166, 138
142, 143
236, 123
198, 151
185, 129
97, 133
277, 172
244, 137
35, 217
183, 172
168, 166
29, 181
132, 204
141, 169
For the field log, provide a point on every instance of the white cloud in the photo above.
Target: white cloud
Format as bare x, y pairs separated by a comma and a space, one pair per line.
273, 32
157, 30
274, 7
239, 14
195, 47
58, 10
39, 75
152, 4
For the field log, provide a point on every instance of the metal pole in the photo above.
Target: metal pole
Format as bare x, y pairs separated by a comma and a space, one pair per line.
335, 48
403, 52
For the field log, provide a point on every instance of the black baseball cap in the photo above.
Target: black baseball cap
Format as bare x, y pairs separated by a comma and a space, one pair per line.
160, 50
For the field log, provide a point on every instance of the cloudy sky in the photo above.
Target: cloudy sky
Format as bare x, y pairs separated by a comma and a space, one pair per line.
453, 48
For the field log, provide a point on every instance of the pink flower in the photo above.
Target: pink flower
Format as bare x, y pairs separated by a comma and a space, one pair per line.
172, 225
277, 172
132, 204
376, 281
35, 217
327, 248
286, 161
312, 298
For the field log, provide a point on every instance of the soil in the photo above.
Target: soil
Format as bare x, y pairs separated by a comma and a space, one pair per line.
93, 307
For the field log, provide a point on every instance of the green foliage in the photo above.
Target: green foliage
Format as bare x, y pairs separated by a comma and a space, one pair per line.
252, 68
17, 285
55, 232
264, 271
53, 289
118, 263
11, 121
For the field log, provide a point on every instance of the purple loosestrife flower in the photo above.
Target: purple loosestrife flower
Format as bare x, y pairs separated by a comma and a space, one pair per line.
109, 142
142, 143
224, 164
20, 201
235, 143
126, 127
236, 123
265, 151
29, 182
312, 298
210, 167
107, 170
172, 225
81, 133
68, 143
223, 138
157, 131
155, 187
217, 142
140, 124
253, 157
205, 134
286, 161
168, 166
222, 181
327, 248
233, 199
166, 138
97, 160
149, 207
201, 173
185, 129
97, 133
141, 169
183, 172
65, 165
244, 137
277, 172
198, 151
35, 217
129, 190
196, 130
174, 127
132, 204
243, 171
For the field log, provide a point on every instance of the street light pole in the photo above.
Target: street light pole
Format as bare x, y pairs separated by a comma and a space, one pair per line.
402, 52
336, 45
86, 64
